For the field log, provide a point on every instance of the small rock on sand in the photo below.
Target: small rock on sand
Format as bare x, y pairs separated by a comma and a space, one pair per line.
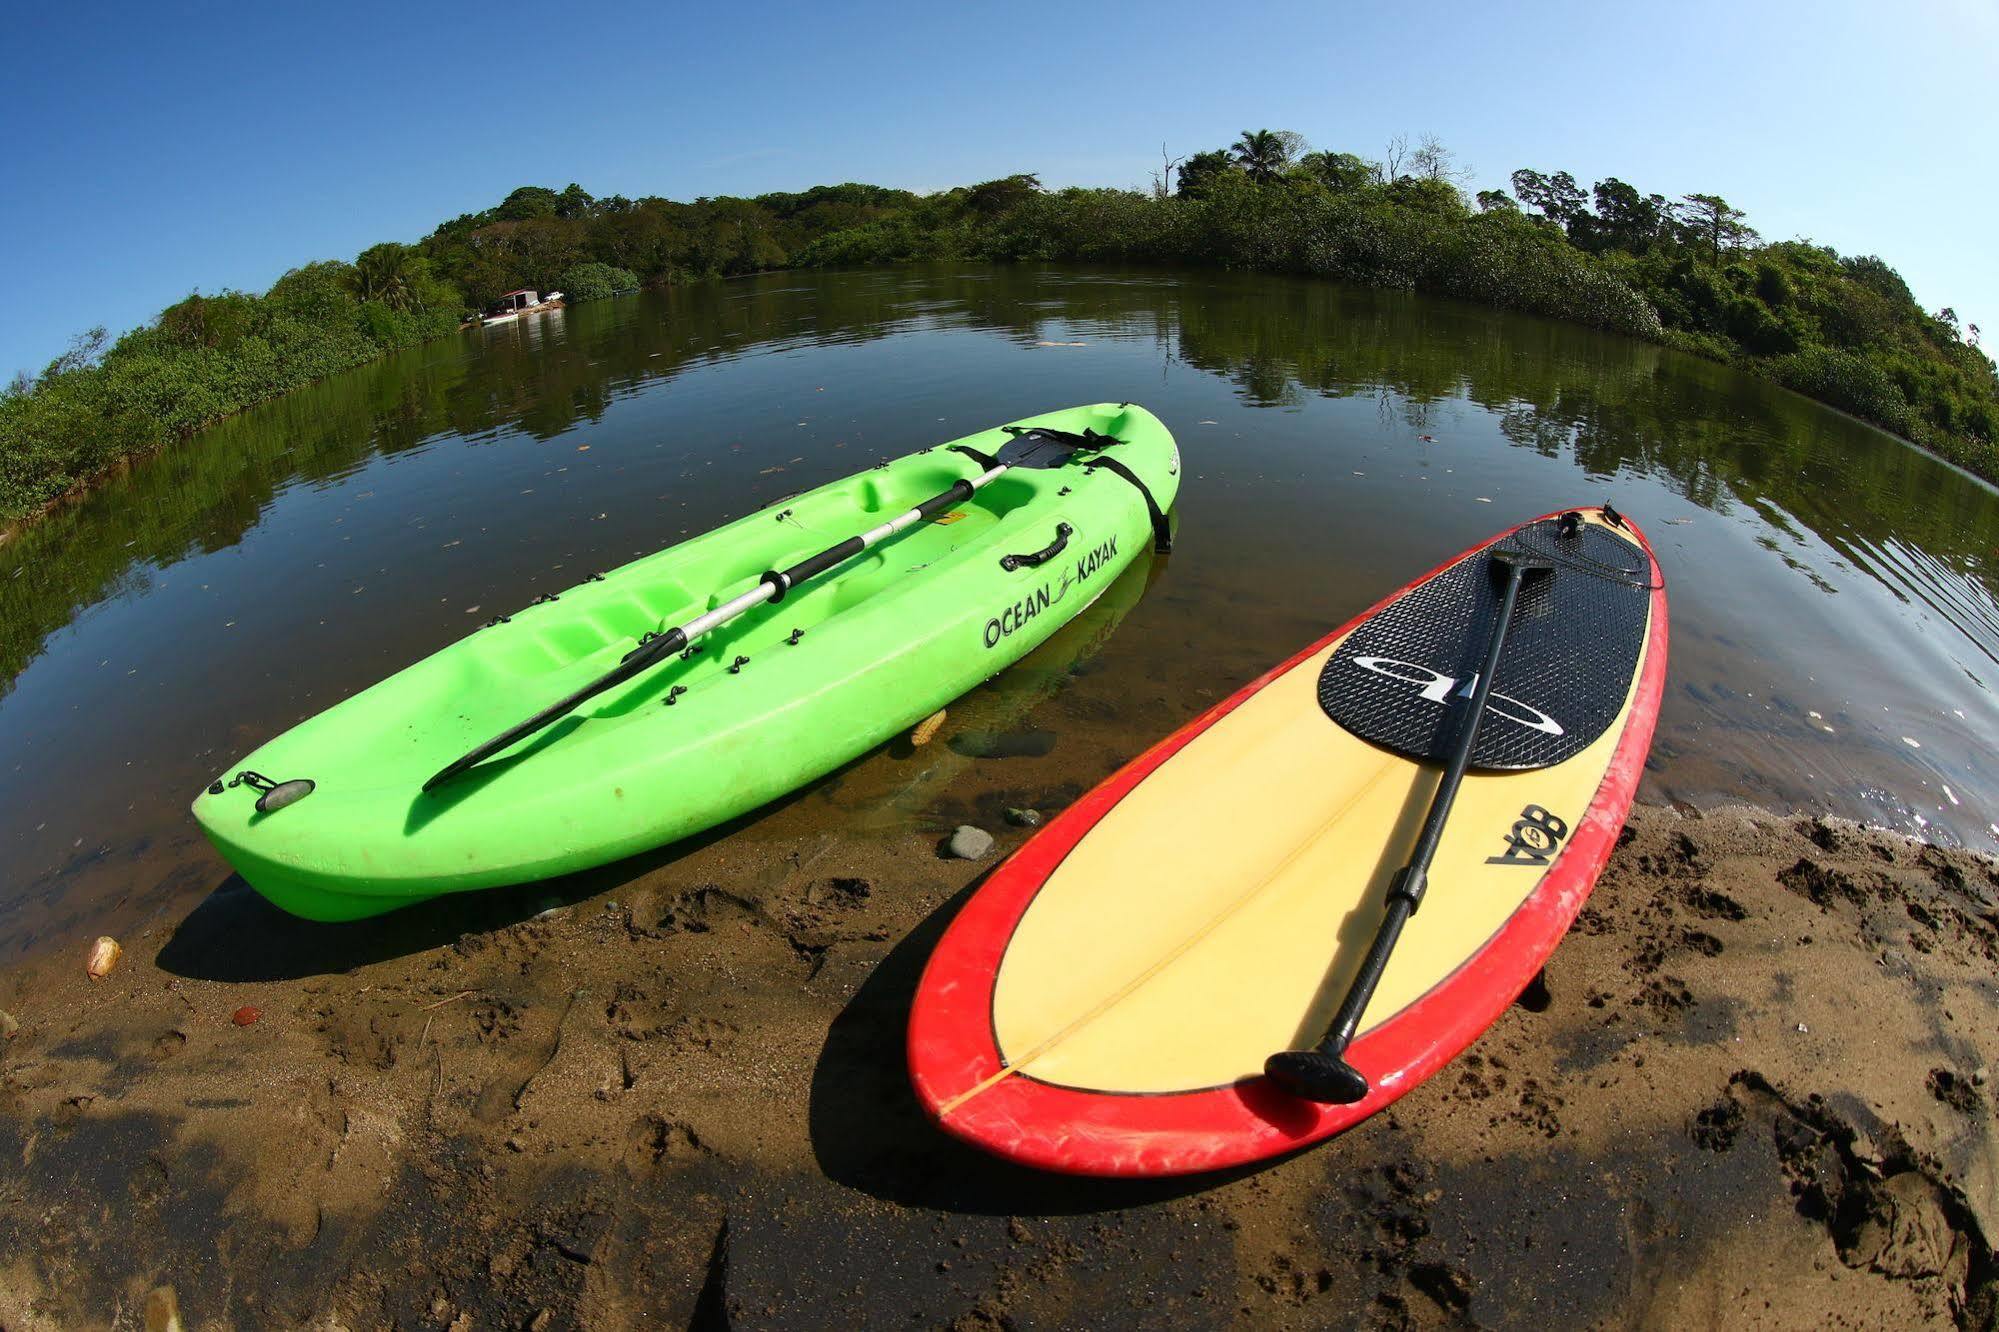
969, 843
162, 1310
245, 1015
104, 955
8, 1025
1024, 818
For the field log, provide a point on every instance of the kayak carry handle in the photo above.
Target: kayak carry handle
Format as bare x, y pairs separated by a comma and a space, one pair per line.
1048, 552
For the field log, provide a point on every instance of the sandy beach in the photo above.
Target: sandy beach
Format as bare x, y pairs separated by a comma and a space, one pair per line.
1754, 1088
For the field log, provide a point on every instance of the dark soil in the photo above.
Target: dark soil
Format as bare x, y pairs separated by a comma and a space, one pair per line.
1750, 1088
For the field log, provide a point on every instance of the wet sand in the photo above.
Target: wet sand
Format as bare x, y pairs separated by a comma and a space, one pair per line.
1754, 1088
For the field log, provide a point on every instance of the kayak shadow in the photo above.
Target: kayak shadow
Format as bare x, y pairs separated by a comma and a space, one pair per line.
235, 935
869, 1132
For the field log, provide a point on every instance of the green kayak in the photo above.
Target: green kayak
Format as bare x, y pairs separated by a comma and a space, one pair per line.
703, 681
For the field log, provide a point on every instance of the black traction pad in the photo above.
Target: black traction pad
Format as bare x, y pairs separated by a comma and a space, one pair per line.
1404, 677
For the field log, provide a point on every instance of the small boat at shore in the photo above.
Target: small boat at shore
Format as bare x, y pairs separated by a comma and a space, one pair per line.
517, 303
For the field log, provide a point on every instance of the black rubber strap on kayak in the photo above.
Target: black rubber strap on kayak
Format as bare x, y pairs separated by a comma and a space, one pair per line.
984, 460
1162, 532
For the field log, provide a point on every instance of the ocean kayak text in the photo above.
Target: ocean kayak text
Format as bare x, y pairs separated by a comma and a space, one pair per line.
1048, 594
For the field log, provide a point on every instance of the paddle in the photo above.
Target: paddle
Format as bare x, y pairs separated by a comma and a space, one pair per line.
1035, 447
1322, 1072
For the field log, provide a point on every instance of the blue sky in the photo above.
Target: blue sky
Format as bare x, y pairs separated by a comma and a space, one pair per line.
153, 149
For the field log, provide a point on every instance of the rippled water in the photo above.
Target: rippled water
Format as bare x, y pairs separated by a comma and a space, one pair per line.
1835, 632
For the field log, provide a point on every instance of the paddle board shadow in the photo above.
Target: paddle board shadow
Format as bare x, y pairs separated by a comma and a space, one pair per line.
869, 1132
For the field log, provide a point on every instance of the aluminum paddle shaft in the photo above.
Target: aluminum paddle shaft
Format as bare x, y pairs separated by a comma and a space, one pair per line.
772, 588
1322, 1072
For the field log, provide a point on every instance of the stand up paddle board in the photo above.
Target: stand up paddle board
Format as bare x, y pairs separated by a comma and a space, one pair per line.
1106, 1002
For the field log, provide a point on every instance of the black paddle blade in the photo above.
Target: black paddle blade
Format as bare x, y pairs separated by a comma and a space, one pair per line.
1315, 1075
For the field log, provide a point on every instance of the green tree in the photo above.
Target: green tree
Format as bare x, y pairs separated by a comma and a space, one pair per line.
1262, 154
1708, 221
1873, 273
574, 201
594, 282
993, 197
1200, 170
1338, 172
1624, 219
1496, 201
526, 202
1556, 198
387, 273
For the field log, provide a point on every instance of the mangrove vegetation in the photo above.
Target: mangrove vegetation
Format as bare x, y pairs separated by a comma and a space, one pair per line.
1688, 272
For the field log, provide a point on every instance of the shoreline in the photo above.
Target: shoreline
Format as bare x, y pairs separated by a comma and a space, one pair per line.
1753, 366
1760, 1071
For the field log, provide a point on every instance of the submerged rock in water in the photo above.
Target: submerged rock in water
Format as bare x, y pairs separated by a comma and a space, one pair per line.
969, 843
1024, 818
1001, 744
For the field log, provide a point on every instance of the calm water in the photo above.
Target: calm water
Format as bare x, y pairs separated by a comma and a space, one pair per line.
1835, 634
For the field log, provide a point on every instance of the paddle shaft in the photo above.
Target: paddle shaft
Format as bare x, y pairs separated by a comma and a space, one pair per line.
772, 587
1406, 889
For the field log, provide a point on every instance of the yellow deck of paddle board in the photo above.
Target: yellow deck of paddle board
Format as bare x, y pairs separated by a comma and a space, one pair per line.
1192, 932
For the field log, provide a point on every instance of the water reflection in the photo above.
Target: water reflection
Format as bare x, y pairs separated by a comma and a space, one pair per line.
1835, 630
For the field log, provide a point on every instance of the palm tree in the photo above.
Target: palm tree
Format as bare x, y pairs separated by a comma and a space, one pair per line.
387, 273
1262, 155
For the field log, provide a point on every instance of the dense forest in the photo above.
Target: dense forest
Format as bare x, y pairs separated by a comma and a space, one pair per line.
1688, 272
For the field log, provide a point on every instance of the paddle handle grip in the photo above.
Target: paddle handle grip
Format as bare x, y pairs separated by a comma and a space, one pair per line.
782, 581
